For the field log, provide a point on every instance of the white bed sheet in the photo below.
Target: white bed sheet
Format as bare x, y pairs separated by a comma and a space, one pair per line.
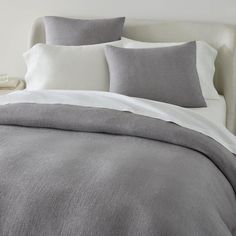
182, 116
215, 111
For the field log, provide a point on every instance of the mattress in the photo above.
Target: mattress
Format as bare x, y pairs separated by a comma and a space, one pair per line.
215, 110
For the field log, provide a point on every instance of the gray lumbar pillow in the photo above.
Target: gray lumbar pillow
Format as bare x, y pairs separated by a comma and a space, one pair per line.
163, 74
75, 32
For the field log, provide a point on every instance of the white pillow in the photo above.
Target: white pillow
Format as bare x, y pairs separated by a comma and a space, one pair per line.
67, 67
206, 56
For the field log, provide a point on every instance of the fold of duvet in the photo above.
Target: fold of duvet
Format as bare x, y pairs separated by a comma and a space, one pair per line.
71, 170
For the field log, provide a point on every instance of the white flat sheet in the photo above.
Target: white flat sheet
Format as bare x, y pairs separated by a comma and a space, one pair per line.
215, 110
181, 116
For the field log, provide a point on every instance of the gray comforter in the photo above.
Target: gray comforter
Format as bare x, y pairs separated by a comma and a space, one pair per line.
76, 171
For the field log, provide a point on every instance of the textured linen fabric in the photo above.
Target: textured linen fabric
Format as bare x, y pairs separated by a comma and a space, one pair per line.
67, 68
184, 117
163, 74
69, 171
205, 62
74, 32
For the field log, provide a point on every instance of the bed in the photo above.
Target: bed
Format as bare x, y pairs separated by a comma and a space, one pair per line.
103, 163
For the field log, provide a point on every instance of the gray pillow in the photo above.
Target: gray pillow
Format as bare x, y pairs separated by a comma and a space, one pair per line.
166, 74
75, 32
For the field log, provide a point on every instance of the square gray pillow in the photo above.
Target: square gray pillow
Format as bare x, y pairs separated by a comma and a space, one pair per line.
166, 74
75, 32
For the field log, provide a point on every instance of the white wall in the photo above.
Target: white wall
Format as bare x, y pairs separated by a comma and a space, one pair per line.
16, 17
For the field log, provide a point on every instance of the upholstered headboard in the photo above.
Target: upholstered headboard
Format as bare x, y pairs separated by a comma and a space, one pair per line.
220, 36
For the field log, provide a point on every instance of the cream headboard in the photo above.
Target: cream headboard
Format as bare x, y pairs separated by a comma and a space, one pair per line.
220, 36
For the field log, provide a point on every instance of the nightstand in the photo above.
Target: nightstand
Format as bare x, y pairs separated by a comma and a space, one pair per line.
12, 84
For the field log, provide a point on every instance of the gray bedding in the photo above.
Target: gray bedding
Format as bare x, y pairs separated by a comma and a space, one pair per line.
77, 171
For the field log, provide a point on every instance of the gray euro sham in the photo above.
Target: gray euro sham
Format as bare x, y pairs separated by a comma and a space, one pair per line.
79, 171
167, 74
75, 32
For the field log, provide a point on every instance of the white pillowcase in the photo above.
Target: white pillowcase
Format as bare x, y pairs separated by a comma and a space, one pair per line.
67, 67
206, 56
85, 67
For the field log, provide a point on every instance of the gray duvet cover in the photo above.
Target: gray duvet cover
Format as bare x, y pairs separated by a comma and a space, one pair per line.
71, 171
